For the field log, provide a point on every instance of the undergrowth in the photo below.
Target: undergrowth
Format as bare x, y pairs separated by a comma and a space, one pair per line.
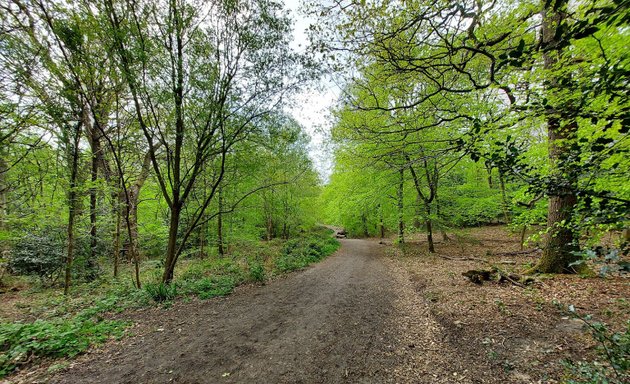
21, 343
68, 325
612, 365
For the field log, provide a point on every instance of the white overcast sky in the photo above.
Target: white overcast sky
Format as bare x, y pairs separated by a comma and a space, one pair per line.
312, 107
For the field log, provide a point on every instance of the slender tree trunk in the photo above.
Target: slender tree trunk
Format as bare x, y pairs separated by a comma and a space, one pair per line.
73, 155
504, 199
401, 223
202, 239
560, 242
381, 225
4, 209
364, 224
4, 191
116, 237
269, 227
91, 262
490, 181
132, 206
220, 242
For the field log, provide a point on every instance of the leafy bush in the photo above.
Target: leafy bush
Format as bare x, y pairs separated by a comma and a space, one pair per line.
608, 259
256, 271
22, 342
161, 292
39, 254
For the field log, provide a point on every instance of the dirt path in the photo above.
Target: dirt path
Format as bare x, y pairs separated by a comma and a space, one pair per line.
331, 323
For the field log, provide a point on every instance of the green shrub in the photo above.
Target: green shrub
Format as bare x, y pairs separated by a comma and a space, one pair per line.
256, 271
39, 254
299, 253
22, 342
208, 287
161, 292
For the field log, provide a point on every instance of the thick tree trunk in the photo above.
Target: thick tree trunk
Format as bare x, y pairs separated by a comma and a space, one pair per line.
560, 242
73, 157
171, 250
401, 223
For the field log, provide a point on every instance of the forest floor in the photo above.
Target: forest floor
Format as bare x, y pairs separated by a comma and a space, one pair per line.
370, 313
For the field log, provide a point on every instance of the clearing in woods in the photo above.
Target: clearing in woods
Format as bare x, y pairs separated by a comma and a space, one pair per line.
367, 314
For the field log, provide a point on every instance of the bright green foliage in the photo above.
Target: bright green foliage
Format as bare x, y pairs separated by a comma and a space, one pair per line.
21, 342
254, 262
299, 253
161, 292
541, 109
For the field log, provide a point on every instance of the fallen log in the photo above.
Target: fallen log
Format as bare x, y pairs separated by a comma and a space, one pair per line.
478, 276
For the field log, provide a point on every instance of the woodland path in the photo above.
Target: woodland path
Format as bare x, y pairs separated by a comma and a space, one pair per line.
344, 319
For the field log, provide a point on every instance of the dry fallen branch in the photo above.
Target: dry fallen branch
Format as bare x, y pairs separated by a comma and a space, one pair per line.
517, 253
476, 259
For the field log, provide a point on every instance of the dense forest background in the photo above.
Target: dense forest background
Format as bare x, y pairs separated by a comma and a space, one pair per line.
462, 114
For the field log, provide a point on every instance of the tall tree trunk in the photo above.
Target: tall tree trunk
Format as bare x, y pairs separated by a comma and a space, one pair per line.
4, 190
4, 208
220, 241
401, 223
96, 149
131, 220
73, 157
117, 215
203, 231
560, 242
490, 181
381, 224
504, 199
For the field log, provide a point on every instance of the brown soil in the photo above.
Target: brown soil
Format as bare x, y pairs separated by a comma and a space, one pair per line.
368, 314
